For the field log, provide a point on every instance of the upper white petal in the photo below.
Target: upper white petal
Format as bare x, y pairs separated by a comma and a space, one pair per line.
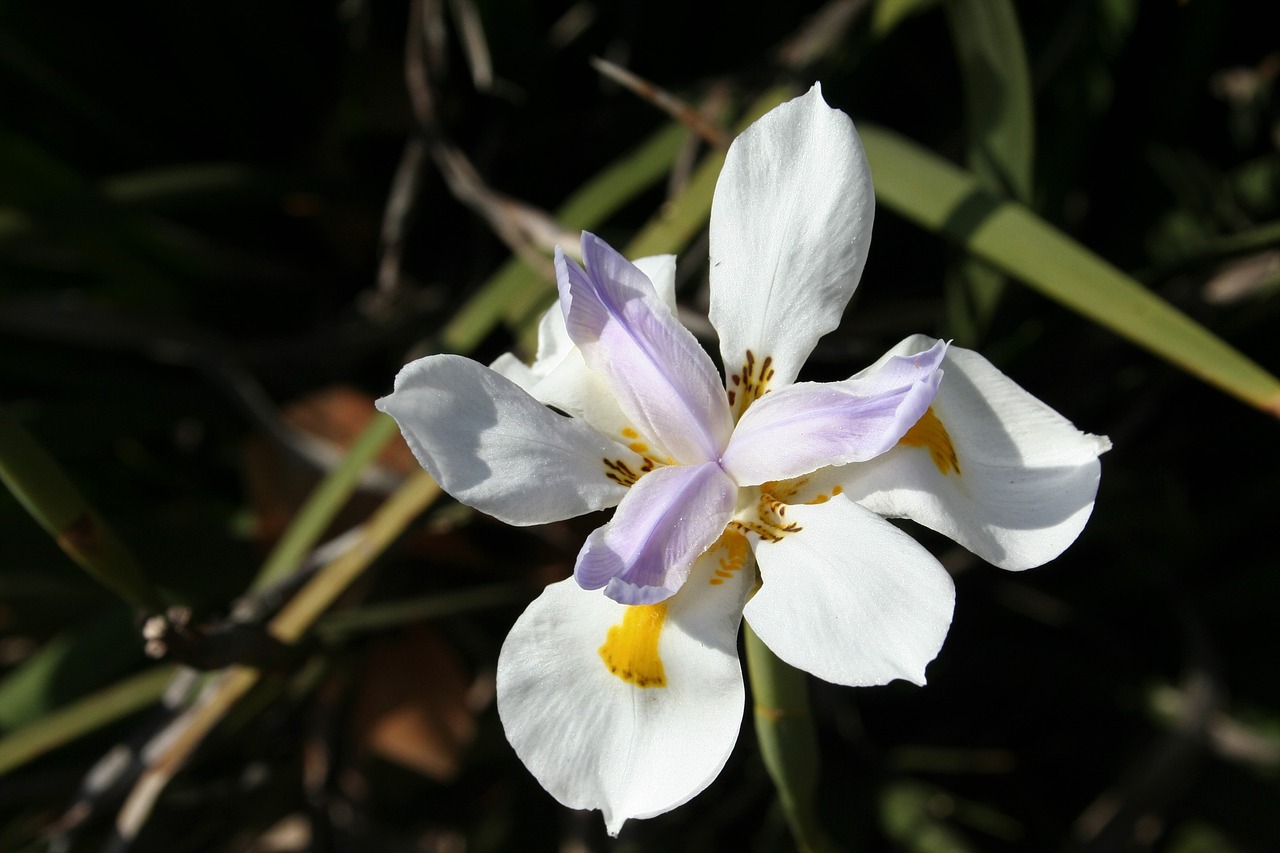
494, 447
1027, 477
850, 598
790, 227
595, 741
509, 366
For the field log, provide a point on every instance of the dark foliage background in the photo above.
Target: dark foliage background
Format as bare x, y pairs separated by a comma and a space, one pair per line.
191, 201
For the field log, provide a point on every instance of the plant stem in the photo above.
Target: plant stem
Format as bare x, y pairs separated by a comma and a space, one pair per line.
784, 729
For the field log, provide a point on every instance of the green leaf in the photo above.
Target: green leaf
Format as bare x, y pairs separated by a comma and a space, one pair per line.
997, 94
67, 666
940, 197
81, 717
44, 489
1001, 129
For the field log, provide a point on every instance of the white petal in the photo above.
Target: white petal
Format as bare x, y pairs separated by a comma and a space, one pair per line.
509, 366
1024, 479
790, 227
661, 270
850, 598
493, 447
595, 741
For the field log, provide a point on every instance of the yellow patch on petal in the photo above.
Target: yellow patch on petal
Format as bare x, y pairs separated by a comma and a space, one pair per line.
735, 549
823, 497
929, 432
630, 650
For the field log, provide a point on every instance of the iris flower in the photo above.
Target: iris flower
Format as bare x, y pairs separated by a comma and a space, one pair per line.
755, 497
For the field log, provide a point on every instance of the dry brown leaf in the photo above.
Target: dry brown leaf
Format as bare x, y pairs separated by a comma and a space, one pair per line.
413, 704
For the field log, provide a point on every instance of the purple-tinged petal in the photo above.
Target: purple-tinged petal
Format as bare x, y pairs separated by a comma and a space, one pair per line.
804, 427
665, 522
664, 381
493, 447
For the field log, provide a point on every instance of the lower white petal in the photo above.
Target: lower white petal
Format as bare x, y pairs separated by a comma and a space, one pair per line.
570, 698
997, 470
849, 597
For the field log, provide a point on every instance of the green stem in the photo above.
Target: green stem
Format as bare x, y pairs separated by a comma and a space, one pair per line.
788, 745
324, 503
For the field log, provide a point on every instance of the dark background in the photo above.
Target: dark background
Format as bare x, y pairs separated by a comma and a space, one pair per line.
191, 198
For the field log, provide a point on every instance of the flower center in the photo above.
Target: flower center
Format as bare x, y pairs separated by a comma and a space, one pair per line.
762, 512
750, 383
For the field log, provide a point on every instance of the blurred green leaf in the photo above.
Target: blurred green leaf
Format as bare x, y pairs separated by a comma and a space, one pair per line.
944, 199
41, 486
997, 94
888, 14
912, 817
68, 666
1001, 129
83, 716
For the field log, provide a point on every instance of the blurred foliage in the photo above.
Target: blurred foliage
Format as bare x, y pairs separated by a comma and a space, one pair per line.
211, 216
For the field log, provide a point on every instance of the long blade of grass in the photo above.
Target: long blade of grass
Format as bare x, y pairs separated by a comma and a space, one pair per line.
944, 199
1001, 130
997, 93
85, 715
788, 743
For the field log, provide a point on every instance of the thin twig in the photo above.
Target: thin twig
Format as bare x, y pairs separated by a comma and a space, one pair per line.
663, 100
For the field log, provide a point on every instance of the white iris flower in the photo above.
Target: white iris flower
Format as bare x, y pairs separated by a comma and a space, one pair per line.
620, 688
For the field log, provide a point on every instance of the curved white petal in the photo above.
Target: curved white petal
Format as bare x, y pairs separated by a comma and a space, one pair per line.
553, 341
509, 366
790, 227
850, 598
575, 389
493, 447
663, 380
803, 427
663, 525
595, 741
1023, 481
661, 270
